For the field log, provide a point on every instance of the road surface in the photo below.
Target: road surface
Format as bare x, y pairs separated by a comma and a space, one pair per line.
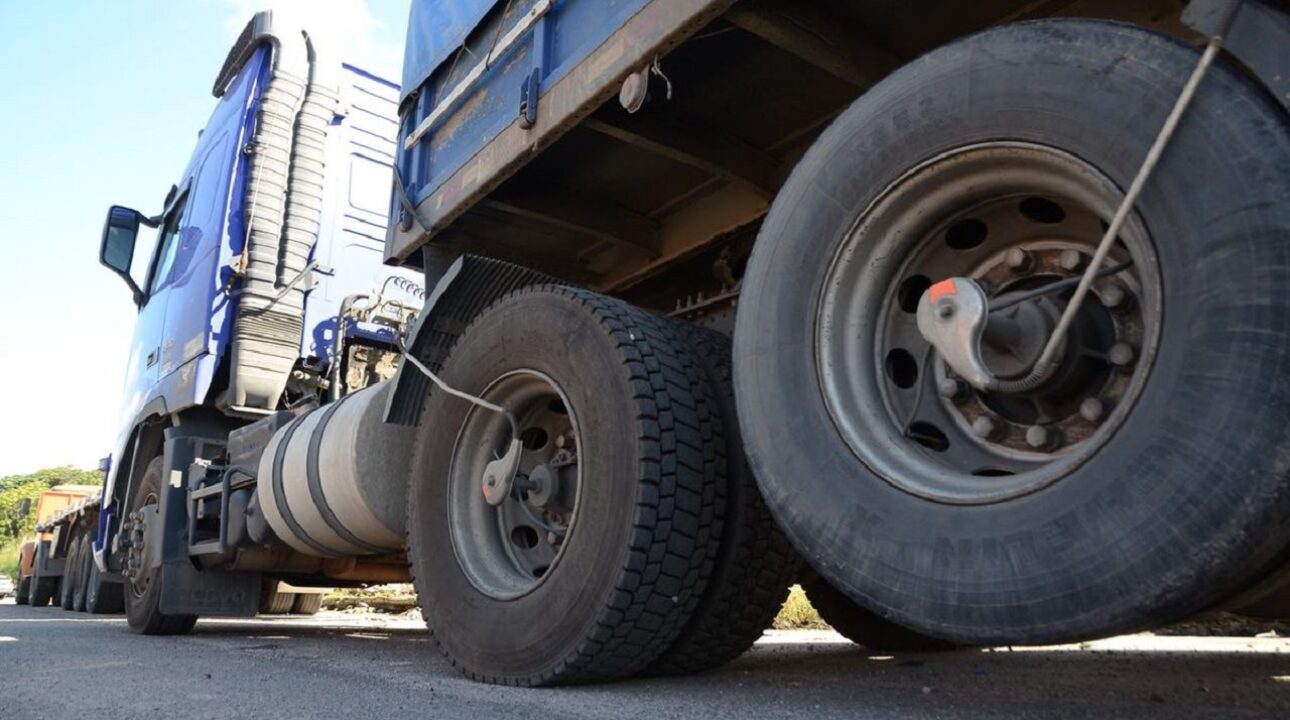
55, 664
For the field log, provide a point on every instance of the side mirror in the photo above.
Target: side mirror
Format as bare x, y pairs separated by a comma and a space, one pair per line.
24, 508
117, 248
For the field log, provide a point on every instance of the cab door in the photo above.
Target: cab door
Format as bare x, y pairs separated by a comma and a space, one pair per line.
142, 369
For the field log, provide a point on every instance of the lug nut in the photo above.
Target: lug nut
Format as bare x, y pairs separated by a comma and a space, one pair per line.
1120, 354
945, 310
1092, 409
1040, 437
985, 427
1071, 260
1114, 296
552, 538
952, 389
1020, 261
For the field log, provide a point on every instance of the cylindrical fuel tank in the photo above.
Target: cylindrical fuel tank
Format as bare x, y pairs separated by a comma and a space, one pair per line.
333, 481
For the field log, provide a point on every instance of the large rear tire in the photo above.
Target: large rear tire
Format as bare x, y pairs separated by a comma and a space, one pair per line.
1162, 503
143, 593
862, 627
610, 402
23, 596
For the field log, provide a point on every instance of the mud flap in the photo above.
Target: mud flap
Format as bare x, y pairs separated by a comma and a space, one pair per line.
186, 590
468, 286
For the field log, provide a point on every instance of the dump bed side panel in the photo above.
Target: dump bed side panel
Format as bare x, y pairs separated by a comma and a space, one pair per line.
576, 52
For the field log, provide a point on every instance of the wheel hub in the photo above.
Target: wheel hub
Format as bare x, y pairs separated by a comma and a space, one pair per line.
1073, 402
1014, 218
509, 537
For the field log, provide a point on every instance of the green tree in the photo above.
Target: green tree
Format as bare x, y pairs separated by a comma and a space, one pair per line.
14, 489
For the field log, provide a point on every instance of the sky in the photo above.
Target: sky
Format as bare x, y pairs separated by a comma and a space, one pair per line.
101, 105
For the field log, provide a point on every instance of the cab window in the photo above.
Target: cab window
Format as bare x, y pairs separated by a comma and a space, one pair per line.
167, 245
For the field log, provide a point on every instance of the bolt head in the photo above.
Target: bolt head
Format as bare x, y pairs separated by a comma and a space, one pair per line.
1071, 260
951, 389
945, 310
1114, 296
985, 427
1092, 409
1019, 260
1038, 437
1121, 354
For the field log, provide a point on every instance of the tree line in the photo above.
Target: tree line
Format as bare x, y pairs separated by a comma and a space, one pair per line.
14, 489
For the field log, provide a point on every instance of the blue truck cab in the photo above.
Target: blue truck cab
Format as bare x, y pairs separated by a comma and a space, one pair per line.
187, 281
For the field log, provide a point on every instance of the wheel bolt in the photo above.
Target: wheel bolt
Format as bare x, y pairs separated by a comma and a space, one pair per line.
1071, 260
552, 538
985, 427
1120, 354
1020, 261
952, 389
946, 311
1114, 296
1092, 409
1041, 438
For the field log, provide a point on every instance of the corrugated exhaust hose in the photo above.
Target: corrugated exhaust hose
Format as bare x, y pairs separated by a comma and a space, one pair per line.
283, 207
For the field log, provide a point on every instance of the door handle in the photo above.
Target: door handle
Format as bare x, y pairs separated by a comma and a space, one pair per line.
152, 358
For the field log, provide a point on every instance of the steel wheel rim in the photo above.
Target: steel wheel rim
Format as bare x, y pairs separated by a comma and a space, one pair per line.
919, 226
139, 585
509, 551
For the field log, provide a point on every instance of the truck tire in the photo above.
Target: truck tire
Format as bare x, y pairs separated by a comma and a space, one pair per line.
83, 571
942, 516
273, 602
43, 589
307, 604
71, 569
600, 390
143, 594
23, 595
755, 563
102, 597
861, 626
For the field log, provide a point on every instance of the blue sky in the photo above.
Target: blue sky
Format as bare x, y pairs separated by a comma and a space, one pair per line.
102, 102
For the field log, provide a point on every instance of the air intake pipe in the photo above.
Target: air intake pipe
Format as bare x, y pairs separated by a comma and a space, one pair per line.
333, 482
283, 209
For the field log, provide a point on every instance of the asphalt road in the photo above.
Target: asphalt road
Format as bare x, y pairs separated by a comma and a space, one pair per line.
55, 664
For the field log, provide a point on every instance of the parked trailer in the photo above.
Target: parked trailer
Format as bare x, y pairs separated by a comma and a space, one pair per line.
50, 565
1007, 301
